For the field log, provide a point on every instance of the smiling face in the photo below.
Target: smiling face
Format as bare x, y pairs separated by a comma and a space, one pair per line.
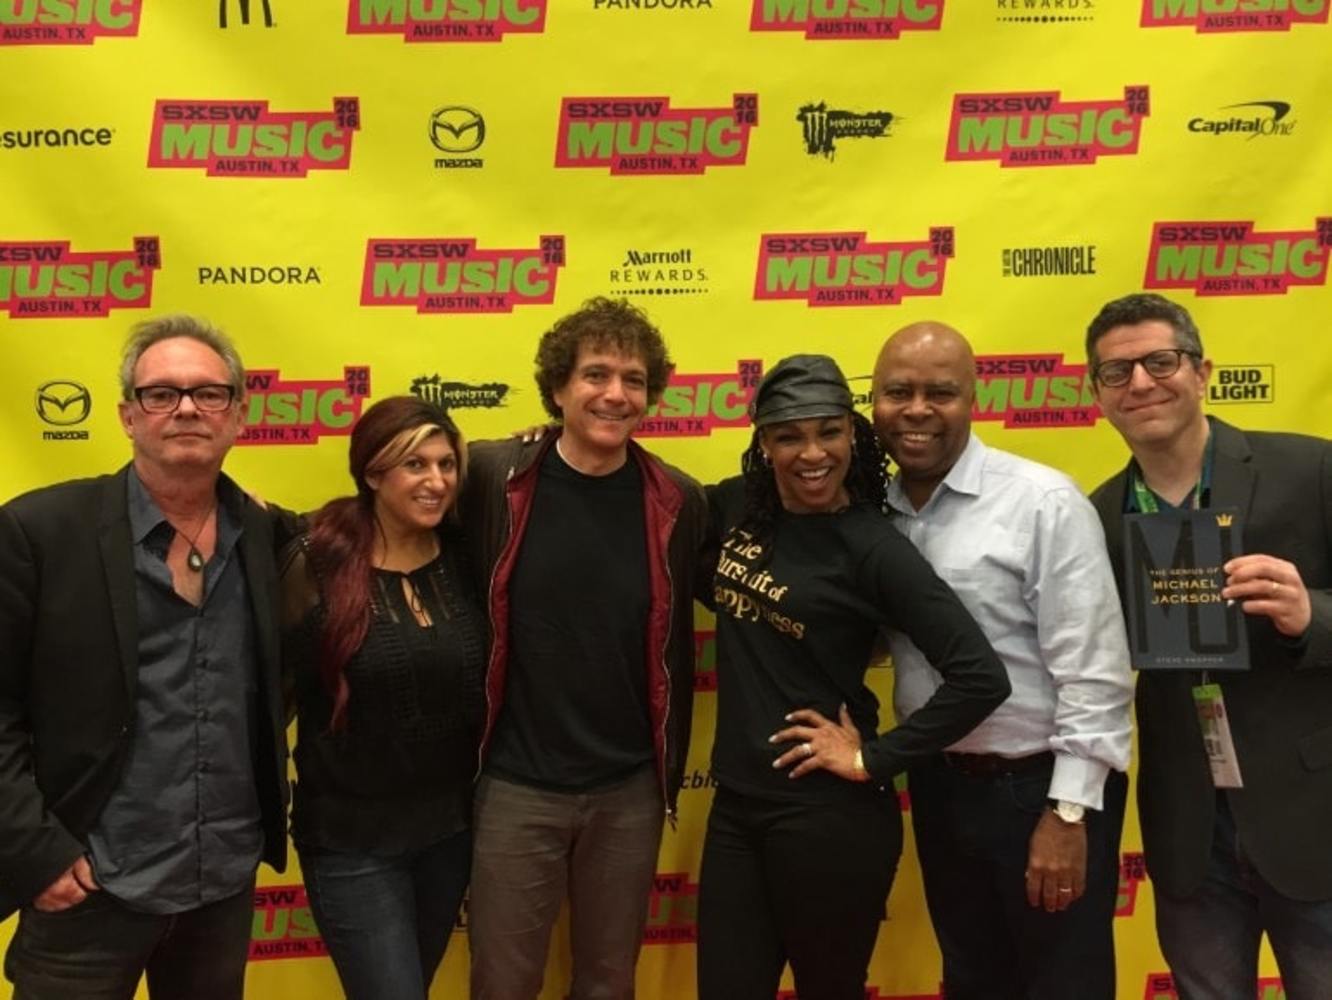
924, 384
186, 438
601, 405
810, 459
414, 493
1150, 411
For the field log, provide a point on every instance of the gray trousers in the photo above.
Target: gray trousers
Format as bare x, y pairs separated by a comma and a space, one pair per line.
531, 849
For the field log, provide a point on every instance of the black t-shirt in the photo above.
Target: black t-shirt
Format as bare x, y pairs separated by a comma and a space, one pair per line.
796, 621
575, 713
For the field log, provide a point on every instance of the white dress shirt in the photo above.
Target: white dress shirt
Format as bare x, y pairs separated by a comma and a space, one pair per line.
1025, 552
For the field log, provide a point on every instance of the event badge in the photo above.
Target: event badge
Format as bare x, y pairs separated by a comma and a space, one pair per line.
1215, 725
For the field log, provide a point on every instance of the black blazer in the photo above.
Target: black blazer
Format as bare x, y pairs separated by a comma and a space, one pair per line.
1280, 710
68, 668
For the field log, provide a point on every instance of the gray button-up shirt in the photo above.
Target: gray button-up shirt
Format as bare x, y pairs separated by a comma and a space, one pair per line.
182, 829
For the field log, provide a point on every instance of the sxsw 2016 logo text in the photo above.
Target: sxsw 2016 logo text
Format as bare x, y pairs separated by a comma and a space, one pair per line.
283, 925
451, 275
446, 20
244, 138
645, 135
66, 22
47, 279
672, 909
300, 411
1038, 128
1232, 258
1233, 15
847, 18
846, 269
1161, 986
694, 405
1034, 390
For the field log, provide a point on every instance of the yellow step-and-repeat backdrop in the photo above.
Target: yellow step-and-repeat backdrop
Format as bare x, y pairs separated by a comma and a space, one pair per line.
387, 196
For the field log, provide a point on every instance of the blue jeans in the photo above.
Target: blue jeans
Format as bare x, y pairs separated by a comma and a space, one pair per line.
1210, 939
386, 920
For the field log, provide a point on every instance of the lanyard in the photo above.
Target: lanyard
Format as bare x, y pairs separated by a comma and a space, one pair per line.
1145, 500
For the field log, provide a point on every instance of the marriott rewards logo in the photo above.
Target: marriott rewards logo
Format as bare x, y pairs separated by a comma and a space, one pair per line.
645, 135
1233, 15
846, 269
453, 275
66, 22
46, 279
861, 19
1233, 258
446, 20
1039, 128
245, 139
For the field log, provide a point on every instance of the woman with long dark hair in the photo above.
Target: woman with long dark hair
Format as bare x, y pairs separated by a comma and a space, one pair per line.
385, 645
805, 829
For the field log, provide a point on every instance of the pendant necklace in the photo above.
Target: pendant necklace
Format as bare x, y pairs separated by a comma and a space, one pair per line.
195, 559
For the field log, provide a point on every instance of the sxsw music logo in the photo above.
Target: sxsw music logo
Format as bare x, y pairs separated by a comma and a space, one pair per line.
846, 269
705, 660
1034, 390
1132, 873
847, 18
645, 135
695, 405
66, 22
1233, 258
283, 925
452, 275
446, 20
1242, 384
244, 138
672, 909
1233, 15
1161, 986
1039, 128
300, 411
40, 279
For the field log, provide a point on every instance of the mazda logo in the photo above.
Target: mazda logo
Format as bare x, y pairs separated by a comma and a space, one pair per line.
61, 402
456, 129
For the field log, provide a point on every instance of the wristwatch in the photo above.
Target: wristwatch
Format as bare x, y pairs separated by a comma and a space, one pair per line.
1069, 812
858, 766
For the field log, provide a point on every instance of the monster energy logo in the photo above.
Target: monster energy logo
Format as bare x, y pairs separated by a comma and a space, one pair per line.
458, 395
822, 127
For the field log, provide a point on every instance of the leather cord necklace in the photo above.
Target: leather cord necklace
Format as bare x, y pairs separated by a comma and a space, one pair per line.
195, 559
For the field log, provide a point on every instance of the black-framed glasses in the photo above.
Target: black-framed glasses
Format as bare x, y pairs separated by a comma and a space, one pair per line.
1157, 364
211, 398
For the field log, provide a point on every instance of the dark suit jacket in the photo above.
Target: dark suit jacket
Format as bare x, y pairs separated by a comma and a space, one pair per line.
68, 668
1280, 710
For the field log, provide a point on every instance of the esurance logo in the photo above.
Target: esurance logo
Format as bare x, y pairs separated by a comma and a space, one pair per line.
446, 20
847, 18
245, 139
1233, 15
47, 279
283, 925
1232, 258
695, 405
645, 135
301, 411
672, 909
448, 275
1034, 390
846, 269
66, 22
1039, 128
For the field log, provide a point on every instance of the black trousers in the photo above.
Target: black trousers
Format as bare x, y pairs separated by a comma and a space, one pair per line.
972, 836
99, 949
794, 882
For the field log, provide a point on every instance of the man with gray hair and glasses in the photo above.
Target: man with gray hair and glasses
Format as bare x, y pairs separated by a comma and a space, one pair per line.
142, 744
1244, 851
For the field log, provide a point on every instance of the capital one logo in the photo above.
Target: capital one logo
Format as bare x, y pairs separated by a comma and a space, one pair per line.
62, 403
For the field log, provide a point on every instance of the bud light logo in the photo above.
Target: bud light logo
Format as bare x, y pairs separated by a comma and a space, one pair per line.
856, 19
283, 925
645, 135
446, 20
448, 275
846, 269
1233, 15
1233, 258
696, 405
41, 280
245, 139
1034, 390
301, 411
66, 22
1038, 128
672, 909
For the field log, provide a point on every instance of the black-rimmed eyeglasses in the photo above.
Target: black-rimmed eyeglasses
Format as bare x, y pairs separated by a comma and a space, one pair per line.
166, 398
1157, 364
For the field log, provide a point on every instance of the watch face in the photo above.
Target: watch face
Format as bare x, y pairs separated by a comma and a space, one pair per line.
1069, 812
